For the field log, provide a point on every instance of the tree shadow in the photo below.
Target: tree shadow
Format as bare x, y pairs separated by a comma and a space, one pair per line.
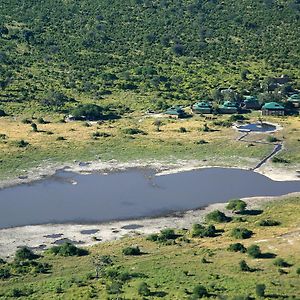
251, 212
159, 294
275, 296
267, 255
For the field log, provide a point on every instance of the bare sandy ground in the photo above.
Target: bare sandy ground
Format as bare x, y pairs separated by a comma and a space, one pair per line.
43, 236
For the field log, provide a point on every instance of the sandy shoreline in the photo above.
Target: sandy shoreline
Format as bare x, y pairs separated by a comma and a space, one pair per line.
43, 236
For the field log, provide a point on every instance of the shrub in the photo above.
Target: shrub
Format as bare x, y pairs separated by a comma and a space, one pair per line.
97, 134
3, 136
34, 127
152, 237
2, 113
298, 271
271, 139
236, 205
201, 142
4, 273
25, 254
26, 121
254, 251
237, 247
114, 288
280, 262
88, 112
241, 233
182, 130
21, 144
280, 160
260, 290
268, 222
2, 261
200, 291
68, 249
133, 131
168, 234
143, 289
60, 138
199, 230
234, 118
244, 267
222, 123
216, 216
40, 120
131, 251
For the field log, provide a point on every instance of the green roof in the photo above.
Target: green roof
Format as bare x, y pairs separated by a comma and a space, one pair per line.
202, 105
273, 106
174, 111
295, 97
250, 99
229, 104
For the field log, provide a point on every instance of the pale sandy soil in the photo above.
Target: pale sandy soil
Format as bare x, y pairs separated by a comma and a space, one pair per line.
37, 236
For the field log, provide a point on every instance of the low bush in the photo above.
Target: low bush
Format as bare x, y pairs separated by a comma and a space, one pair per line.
143, 289
114, 288
60, 138
244, 266
260, 290
280, 262
98, 134
152, 237
222, 123
271, 139
4, 273
280, 160
234, 118
25, 254
21, 143
217, 216
237, 247
241, 233
254, 251
201, 142
133, 131
2, 113
182, 130
40, 120
200, 291
68, 249
199, 230
26, 121
132, 251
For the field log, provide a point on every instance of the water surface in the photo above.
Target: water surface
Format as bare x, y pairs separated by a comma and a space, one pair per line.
130, 194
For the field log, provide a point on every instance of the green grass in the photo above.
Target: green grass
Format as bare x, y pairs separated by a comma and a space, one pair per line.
177, 268
168, 145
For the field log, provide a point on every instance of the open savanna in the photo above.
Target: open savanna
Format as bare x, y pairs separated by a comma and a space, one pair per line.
57, 142
172, 271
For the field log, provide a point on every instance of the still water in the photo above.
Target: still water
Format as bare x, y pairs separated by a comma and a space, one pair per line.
69, 197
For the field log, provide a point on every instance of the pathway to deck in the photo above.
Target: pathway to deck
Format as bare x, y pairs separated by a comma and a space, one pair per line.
277, 147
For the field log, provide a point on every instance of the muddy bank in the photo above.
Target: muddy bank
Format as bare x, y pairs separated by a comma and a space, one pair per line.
41, 237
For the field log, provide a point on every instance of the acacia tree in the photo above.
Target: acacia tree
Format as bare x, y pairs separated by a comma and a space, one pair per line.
236, 205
